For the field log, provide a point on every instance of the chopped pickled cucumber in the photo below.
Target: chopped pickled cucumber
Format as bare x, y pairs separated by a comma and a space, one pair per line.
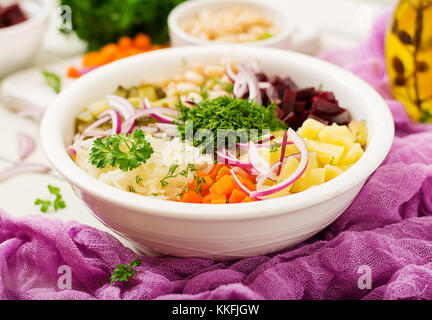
98, 107
85, 116
168, 102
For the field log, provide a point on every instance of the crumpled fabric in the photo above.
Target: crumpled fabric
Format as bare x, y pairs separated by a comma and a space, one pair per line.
380, 248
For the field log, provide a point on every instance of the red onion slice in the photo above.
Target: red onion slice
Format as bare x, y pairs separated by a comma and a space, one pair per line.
90, 132
229, 71
115, 119
301, 145
254, 91
23, 168
26, 145
224, 154
261, 179
283, 150
71, 150
257, 162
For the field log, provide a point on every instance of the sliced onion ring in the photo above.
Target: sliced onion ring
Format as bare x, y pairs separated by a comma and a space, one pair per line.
23, 168
26, 145
115, 119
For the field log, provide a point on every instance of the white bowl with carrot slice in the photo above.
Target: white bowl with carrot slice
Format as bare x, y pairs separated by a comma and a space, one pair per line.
318, 158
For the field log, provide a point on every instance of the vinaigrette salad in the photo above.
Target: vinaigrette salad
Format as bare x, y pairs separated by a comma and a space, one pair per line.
217, 134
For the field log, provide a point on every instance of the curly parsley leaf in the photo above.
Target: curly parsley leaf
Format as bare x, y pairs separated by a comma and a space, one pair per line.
125, 151
123, 271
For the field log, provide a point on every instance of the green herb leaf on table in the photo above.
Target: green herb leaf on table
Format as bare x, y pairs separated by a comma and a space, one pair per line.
58, 203
123, 271
52, 80
125, 151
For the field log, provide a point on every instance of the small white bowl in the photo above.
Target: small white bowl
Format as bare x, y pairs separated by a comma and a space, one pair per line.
218, 231
19, 43
189, 9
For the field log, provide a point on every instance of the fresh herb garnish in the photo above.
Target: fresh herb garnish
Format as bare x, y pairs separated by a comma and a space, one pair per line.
138, 179
58, 203
265, 35
227, 86
124, 271
126, 151
275, 147
236, 117
131, 189
172, 173
52, 80
426, 117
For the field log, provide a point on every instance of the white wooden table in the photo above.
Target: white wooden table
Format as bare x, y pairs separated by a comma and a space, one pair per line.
342, 23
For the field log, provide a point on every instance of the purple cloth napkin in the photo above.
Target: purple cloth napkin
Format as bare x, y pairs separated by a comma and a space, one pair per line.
380, 248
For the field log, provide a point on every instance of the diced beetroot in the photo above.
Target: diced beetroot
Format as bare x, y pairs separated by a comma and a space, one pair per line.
261, 76
289, 100
280, 114
306, 94
289, 84
327, 95
299, 107
11, 15
321, 107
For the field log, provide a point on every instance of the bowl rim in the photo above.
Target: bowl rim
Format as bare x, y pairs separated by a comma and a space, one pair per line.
195, 5
31, 21
52, 141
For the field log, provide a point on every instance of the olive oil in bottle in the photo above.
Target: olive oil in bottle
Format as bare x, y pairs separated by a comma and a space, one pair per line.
409, 57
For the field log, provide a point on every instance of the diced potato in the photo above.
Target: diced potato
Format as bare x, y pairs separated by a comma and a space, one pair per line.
311, 129
352, 155
168, 102
85, 116
98, 107
359, 131
334, 133
331, 172
273, 157
327, 153
314, 177
345, 167
290, 165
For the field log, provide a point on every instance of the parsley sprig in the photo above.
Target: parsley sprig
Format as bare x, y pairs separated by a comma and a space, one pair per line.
58, 203
125, 151
123, 271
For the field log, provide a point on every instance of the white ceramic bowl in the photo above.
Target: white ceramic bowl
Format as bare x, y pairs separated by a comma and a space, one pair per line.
188, 9
218, 231
19, 43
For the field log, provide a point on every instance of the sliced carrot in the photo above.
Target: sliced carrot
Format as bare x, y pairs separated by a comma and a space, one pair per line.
191, 197
142, 41
73, 73
109, 51
219, 199
237, 196
246, 182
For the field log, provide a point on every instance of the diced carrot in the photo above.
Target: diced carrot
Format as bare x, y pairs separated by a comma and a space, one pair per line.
125, 43
142, 41
248, 199
92, 59
219, 199
73, 73
214, 171
109, 51
225, 185
246, 182
237, 196
223, 172
203, 185
191, 197
207, 199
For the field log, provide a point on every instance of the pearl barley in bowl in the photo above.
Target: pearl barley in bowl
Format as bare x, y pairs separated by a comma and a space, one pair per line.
229, 21
307, 136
